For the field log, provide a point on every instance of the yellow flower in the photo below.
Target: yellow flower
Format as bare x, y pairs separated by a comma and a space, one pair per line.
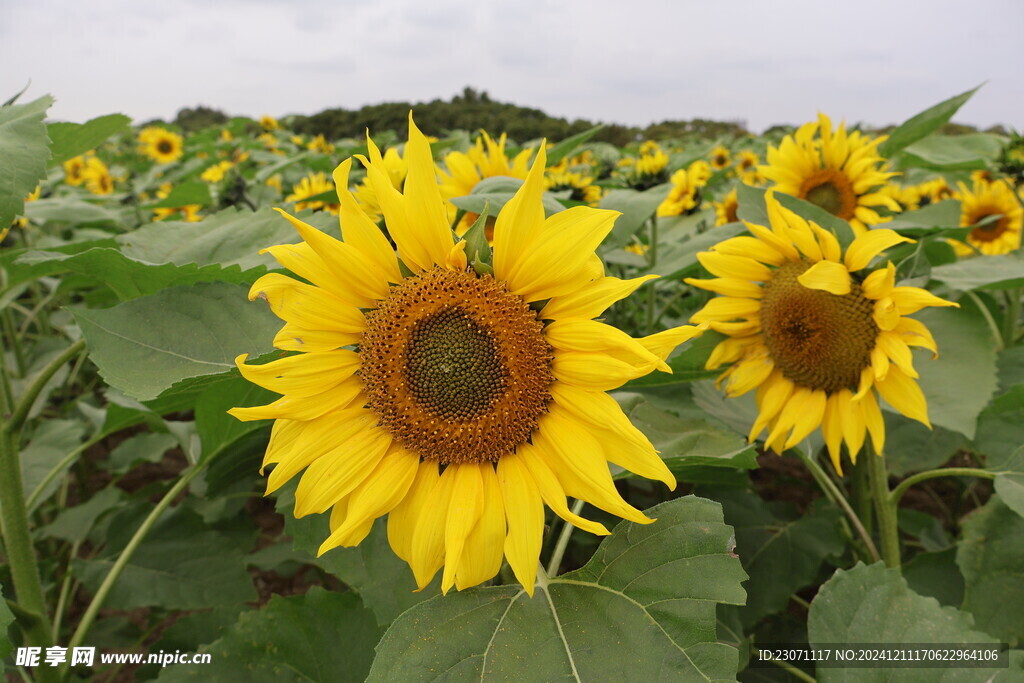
684, 197
320, 144
650, 168
189, 213
311, 186
274, 181
215, 173
581, 185
268, 140
73, 169
396, 169
840, 172
986, 201
97, 177
935, 190
161, 145
226, 136
720, 158
268, 123
297, 140
440, 397
815, 335
22, 221
746, 168
725, 210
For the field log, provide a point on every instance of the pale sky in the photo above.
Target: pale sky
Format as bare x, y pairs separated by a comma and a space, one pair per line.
622, 61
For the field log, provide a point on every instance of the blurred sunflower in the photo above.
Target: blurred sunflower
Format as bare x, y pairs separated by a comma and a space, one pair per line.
188, 213
994, 205
215, 173
226, 135
840, 172
746, 168
725, 210
269, 123
396, 169
813, 334
684, 197
720, 158
461, 410
161, 145
650, 168
935, 190
97, 177
581, 186
73, 169
320, 144
312, 185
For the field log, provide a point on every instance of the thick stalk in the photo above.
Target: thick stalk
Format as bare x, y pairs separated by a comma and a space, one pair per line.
901, 488
885, 509
563, 541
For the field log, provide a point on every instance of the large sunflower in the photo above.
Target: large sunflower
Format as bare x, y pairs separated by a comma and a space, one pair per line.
458, 404
840, 172
995, 201
312, 185
161, 145
815, 335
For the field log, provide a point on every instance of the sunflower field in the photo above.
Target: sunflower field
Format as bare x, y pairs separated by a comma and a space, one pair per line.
445, 405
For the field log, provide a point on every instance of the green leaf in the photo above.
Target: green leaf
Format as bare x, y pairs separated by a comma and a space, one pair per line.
74, 523
145, 447
68, 140
129, 278
781, 551
566, 146
478, 250
680, 260
687, 365
71, 211
1011, 367
636, 208
936, 575
872, 604
1001, 271
643, 608
145, 345
953, 152
184, 194
960, 382
233, 237
372, 569
939, 219
1009, 482
1001, 428
181, 564
50, 443
25, 150
924, 124
912, 447
495, 192
319, 636
216, 428
991, 558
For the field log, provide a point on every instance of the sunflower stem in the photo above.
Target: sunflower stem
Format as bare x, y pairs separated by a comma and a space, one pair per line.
901, 488
563, 541
997, 334
795, 672
885, 508
835, 495
122, 560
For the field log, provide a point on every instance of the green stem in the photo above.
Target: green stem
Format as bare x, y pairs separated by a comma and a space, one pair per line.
794, 671
18, 543
15, 342
32, 392
563, 541
901, 488
885, 509
1011, 317
122, 560
65, 593
837, 497
800, 601
37, 492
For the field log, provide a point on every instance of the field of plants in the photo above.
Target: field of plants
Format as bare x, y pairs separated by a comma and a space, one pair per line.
447, 405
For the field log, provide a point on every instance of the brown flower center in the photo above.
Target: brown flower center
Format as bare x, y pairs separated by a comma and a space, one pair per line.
456, 368
830, 189
817, 339
164, 147
990, 231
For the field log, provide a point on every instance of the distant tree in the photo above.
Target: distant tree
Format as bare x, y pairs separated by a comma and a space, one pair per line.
191, 119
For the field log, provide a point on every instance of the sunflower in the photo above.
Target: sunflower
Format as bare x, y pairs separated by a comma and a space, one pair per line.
97, 177
994, 201
816, 336
188, 213
396, 169
320, 144
840, 172
441, 397
746, 168
215, 173
269, 123
161, 145
311, 186
720, 158
73, 169
580, 185
650, 168
935, 190
684, 197
725, 210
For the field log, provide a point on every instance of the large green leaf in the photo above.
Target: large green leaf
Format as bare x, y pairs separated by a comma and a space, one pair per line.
494, 193
129, 278
68, 140
181, 564
25, 150
991, 558
935, 574
953, 152
320, 636
912, 447
940, 218
1009, 482
184, 194
1001, 427
636, 208
372, 569
923, 124
960, 382
145, 345
872, 604
216, 428
781, 552
643, 608
1001, 271
72, 211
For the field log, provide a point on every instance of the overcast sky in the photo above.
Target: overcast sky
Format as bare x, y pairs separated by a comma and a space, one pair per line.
625, 61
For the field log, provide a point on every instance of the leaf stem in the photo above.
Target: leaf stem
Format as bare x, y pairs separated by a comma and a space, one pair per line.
885, 508
997, 334
37, 492
122, 560
563, 541
15, 342
901, 488
32, 392
833, 492
794, 671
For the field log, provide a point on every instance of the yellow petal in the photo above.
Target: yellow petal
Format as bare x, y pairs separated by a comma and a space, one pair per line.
307, 306
338, 472
897, 351
904, 394
809, 418
871, 244
592, 336
879, 283
728, 286
302, 375
725, 308
484, 550
427, 551
306, 408
664, 343
524, 510
851, 420
827, 276
521, 221
832, 430
402, 520
551, 489
740, 267
464, 509
294, 337
423, 199
913, 299
592, 299
359, 231
595, 371
873, 420
309, 440
886, 315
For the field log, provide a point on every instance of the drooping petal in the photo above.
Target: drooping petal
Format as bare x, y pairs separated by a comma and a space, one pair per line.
552, 491
827, 276
402, 520
524, 510
482, 556
871, 244
302, 375
592, 299
464, 509
904, 394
